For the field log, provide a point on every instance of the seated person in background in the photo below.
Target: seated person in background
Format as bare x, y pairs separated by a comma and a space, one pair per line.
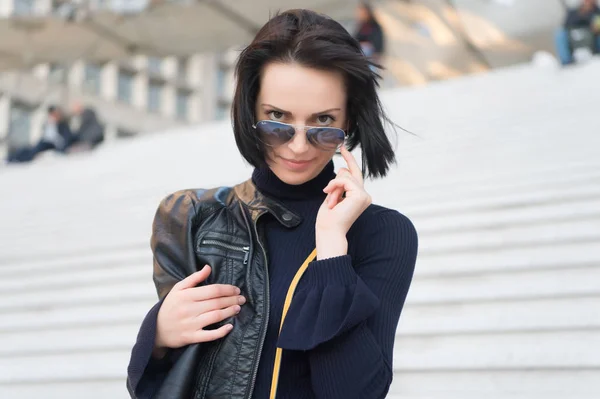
369, 33
90, 131
586, 18
56, 135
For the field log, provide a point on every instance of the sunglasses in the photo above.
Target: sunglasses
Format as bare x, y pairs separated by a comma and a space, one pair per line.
274, 134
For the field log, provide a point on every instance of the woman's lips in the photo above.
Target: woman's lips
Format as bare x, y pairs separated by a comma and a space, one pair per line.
296, 165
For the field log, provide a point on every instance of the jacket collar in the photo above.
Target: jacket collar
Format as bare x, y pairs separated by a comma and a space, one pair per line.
259, 204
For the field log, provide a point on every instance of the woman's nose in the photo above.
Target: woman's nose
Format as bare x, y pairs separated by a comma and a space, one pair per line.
299, 143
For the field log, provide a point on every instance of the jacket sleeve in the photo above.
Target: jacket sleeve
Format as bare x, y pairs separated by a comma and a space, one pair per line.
174, 258
346, 311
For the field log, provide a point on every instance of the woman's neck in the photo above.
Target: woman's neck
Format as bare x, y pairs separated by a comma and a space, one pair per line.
269, 184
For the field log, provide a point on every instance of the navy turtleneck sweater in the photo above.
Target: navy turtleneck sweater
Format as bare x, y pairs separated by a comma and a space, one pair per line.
339, 333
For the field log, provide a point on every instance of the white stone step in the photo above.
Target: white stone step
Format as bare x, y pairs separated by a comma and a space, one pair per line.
547, 176
517, 236
73, 316
506, 286
113, 388
64, 367
501, 218
507, 260
75, 260
496, 384
119, 292
79, 244
519, 315
70, 278
508, 200
72, 340
547, 350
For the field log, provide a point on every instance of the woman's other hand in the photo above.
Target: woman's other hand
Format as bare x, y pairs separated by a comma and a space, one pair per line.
188, 309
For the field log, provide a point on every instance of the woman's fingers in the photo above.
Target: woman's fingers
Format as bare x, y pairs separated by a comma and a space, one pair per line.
350, 187
352, 164
344, 172
218, 303
345, 182
215, 316
334, 197
212, 291
193, 279
211, 335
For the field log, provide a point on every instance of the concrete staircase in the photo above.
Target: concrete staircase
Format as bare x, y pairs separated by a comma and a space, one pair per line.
501, 177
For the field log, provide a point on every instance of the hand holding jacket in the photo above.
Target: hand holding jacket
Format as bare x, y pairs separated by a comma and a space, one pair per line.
188, 309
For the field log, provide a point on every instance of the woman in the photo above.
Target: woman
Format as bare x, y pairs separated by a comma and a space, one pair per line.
225, 258
369, 33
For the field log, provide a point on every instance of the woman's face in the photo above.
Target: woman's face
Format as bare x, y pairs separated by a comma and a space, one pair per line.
300, 96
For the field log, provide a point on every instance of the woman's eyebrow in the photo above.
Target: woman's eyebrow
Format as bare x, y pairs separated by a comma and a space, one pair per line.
326, 111
288, 112
276, 108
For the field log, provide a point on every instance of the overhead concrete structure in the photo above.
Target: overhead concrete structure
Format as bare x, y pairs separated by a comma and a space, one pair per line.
81, 30
501, 178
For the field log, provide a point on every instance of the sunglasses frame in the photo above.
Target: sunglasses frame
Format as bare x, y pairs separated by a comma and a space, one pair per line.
306, 129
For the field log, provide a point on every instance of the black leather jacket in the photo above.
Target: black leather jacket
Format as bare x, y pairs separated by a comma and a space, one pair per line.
218, 227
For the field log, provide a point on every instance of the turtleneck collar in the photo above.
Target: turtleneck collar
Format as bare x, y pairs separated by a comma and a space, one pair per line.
269, 184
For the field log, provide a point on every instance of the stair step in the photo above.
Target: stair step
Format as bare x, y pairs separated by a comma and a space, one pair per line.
562, 350
73, 340
498, 219
76, 261
66, 367
68, 317
119, 292
511, 259
496, 384
523, 315
518, 236
113, 388
502, 286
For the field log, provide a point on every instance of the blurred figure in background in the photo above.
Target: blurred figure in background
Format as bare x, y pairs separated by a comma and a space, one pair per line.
56, 136
581, 30
369, 33
89, 132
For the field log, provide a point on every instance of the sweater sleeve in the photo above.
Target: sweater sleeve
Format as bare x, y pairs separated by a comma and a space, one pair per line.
347, 315
145, 372
174, 259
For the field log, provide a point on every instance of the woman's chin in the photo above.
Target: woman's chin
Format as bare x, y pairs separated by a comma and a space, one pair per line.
295, 175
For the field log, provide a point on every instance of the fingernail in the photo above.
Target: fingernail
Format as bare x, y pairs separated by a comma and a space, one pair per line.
237, 291
229, 326
241, 300
237, 309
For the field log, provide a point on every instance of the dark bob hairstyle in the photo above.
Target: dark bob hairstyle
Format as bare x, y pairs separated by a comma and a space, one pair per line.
315, 41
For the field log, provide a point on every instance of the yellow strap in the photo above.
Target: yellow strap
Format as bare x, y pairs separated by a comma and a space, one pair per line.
286, 307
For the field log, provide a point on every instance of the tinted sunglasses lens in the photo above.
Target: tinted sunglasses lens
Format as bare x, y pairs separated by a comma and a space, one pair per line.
274, 133
327, 138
